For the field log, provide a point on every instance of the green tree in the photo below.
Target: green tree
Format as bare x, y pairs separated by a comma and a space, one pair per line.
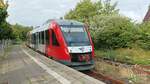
112, 31
86, 9
3, 11
83, 11
107, 8
5, 28
144, 35
5, 31
3, 15
20, 32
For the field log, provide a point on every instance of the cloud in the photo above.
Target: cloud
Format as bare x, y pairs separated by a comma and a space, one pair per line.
36, 12
135, 9
133, 15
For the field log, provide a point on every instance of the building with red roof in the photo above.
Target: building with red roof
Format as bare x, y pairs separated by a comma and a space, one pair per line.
147, 16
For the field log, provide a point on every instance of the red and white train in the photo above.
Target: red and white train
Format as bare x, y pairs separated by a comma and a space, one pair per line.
66, 41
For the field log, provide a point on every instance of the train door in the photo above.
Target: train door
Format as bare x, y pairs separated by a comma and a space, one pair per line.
38, 36
36, 41
47, 42
55, 50
42, 42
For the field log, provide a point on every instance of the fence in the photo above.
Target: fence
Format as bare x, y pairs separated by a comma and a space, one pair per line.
3, 45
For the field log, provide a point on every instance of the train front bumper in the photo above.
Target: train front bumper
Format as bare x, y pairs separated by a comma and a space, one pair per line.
81, 66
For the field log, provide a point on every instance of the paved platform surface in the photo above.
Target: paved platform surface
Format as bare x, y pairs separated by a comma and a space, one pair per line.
24, 66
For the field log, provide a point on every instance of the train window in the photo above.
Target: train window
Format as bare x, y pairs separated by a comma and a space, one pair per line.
54, 39
40, 37
47, 36
43, 37
33, 39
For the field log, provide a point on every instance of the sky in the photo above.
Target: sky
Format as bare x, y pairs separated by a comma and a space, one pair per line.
36, 12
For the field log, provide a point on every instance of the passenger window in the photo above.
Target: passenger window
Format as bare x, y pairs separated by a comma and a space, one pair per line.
54, 39
42, 37
47, 37
33, 39
39, 37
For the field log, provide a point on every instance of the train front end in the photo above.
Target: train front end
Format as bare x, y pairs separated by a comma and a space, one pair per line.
79, 45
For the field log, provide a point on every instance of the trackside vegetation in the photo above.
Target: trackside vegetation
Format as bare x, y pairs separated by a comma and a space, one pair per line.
115, 36
7, 31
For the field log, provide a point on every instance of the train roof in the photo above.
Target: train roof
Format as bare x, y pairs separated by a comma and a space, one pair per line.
67, 22
58, 21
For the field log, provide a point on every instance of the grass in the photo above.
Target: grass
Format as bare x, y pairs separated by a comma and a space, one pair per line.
123, 55
126, 55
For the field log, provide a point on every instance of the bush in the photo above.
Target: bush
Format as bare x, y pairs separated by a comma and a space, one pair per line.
5, 31
3, 15
110, 32
144, 39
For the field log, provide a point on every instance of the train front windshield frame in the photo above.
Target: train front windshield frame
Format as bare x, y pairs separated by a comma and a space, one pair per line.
75, 35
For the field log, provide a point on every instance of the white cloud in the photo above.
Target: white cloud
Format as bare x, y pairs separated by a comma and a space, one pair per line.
35, 12
131, 14
135, 9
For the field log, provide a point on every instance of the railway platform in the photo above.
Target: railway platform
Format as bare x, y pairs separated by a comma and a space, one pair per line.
25, 66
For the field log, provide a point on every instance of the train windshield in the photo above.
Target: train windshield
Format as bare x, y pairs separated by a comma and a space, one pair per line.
75, 36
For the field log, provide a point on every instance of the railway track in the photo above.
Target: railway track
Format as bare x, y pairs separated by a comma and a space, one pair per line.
137, 69
111, 80
101, 77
